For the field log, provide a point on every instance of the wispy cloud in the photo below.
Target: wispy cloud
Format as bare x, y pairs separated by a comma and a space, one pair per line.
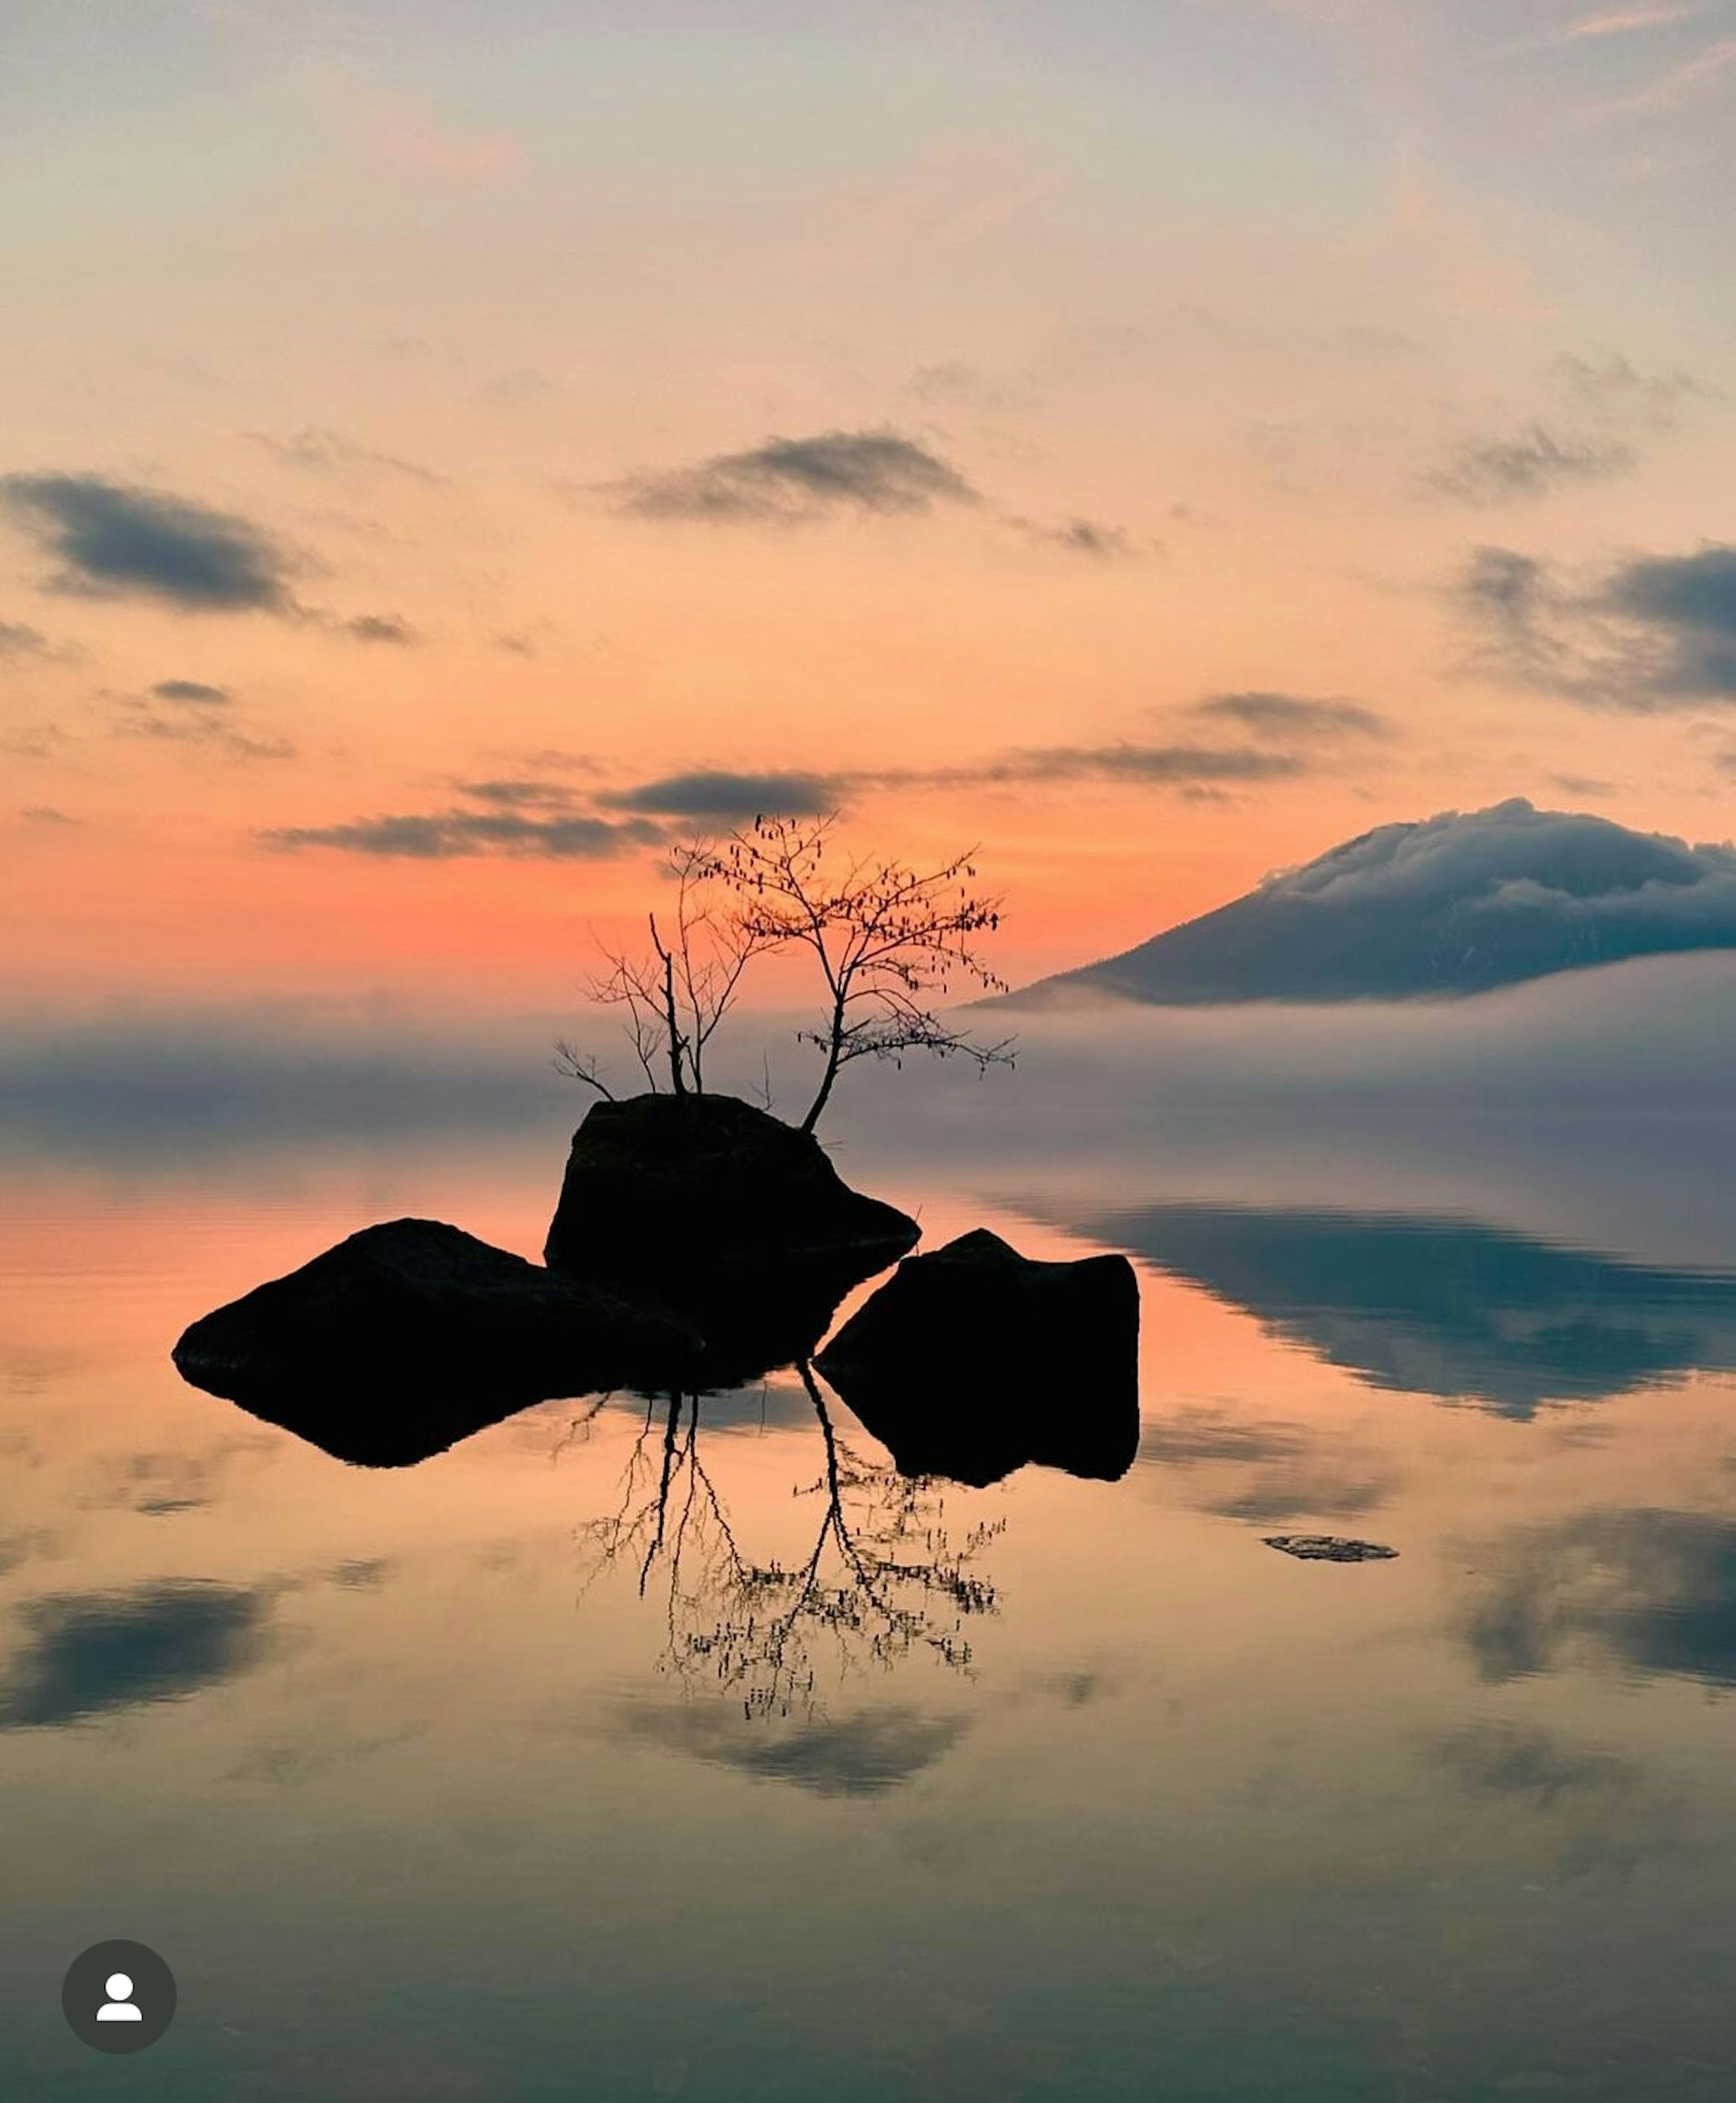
16, 640
1293, 715
1531, 463
1656, 632
447, 835
318, 449
790, 481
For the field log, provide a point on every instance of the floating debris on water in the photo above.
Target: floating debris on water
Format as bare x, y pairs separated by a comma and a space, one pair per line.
1330, 1548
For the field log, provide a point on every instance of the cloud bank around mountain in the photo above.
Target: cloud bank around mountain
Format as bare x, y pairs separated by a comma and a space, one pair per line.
1455, 904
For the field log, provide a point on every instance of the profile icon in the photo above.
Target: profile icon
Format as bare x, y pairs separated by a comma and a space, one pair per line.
118, 2007
119, 1997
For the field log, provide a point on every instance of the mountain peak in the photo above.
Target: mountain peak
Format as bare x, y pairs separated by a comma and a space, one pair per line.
1458, 903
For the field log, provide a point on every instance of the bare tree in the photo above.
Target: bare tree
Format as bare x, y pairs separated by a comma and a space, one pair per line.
890, 940
676, 997
884, 1577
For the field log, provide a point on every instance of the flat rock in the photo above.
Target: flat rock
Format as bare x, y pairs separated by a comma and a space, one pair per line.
1329, 1548
974, 1360
411, 1335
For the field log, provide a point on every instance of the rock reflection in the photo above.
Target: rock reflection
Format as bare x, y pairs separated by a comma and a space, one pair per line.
1447, 1307
883, 1578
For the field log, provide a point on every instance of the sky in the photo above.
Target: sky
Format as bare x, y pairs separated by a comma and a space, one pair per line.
446, 453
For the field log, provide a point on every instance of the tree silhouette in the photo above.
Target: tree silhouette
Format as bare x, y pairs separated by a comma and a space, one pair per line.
889, 939
884, 1578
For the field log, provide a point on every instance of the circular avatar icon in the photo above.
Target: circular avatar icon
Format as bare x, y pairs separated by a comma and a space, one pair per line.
119, 1997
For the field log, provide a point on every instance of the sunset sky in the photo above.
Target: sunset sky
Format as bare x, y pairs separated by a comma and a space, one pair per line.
447, 451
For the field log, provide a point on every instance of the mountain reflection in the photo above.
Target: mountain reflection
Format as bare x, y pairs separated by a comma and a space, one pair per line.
1442, 1306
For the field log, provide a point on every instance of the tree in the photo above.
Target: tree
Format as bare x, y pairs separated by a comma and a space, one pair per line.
676, 997
889, 939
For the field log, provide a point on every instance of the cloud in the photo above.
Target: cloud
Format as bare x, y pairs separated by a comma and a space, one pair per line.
1084, 536
1501, 1759
1454, 903
1635, 1591
114, 541
792, 480
1657, 632
1293, 715
194, 691
32, 741
189, 712
381, 628
317, 449
89, 1653
46, 814
16, 640
1498, 470
446, 835
730, 797
518, 794
1611, 389
866, 1754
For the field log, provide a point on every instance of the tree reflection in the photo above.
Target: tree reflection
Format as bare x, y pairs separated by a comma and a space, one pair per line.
885, 1578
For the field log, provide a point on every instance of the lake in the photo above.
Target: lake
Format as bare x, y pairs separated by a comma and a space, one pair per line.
509, 1776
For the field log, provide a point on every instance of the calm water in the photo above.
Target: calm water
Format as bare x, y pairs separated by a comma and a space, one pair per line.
502, 1777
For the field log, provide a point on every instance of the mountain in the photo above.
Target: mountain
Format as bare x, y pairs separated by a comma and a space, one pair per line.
1455, 904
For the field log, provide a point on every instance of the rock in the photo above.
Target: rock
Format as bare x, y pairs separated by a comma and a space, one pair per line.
740, 1223
411, 1335
683, 1185
1329, 1548
974, 1360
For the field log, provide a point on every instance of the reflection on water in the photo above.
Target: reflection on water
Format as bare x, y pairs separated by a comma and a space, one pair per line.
883, 1575
690, 1743
1446, 1307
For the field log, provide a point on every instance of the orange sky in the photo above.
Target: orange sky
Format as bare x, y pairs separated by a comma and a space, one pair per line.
1216, 339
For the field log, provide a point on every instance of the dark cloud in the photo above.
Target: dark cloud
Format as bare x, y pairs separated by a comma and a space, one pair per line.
1164, 766
114, 540
1494, 1757
1626, 1592
518, 794
1454, 903
445, 835
18, 641
319, 450
1657, 632
1497, 471
381, 628
1293, 715
45, 814
790, 480
730, 796
194, 691
866, 1754
86, 1654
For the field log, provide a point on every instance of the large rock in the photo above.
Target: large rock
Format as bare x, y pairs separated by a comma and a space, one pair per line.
708, 1206
413, 1334
974, 1360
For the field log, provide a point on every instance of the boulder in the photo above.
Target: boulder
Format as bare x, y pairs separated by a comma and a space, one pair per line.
411, 1335
974, 1360
663, 1190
